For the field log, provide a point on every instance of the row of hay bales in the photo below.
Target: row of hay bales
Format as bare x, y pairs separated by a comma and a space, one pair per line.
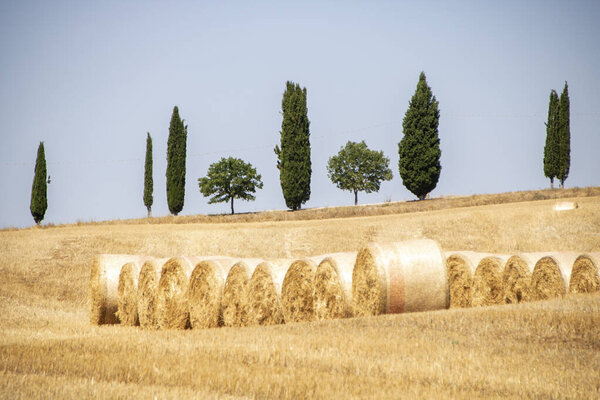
207, 292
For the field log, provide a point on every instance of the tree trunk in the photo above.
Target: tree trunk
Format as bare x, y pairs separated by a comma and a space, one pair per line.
149, 213
355, 197
232, 205
551, 183
562, 184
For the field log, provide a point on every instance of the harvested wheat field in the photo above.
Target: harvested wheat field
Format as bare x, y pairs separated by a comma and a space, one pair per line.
531, 350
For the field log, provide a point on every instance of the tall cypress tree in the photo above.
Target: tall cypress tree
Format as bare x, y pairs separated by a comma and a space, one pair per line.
551, 148
176, 153
39, 200
564, 136
148, 181
419, 149
293, 157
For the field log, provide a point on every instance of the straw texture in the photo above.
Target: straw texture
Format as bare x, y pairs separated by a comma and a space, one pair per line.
585, 277
147, 292
235, 302
104, 287
172, 303
298, 289
127, 292
487, 281
333, 286
205, 292
550, 277
399, 277
460, 267
516, 278
264, 293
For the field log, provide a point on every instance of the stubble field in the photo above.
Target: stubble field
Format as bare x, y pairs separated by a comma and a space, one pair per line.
48, 349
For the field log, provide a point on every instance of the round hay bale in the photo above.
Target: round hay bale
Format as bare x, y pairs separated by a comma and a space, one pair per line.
333, 286
585, 277
550, 277
487, 281
172, 311
104, 287
264, 293
147, 292
516, 278
298, 290
127, 292
460, 267
205, 292
235, 302
399, 277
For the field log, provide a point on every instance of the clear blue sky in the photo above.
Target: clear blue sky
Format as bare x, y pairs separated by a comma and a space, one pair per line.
91, 78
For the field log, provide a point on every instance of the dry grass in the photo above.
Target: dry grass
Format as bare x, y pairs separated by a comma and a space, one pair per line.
549, 349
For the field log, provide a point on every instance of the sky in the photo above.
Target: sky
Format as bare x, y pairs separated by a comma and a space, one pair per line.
90, 78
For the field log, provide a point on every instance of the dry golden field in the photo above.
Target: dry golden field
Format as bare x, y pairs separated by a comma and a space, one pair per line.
548, 349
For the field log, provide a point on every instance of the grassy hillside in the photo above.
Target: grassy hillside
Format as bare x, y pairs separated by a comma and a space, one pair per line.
547, 349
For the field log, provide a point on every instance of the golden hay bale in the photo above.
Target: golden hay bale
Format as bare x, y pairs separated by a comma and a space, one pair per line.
487, 281
264, 293
235, 304
147, 292
516, 277
205, 292
460, 267
298, 290
550, 277
565, 206
333, 286
585, 276
172, 311
127, 292
104, 287
399, 277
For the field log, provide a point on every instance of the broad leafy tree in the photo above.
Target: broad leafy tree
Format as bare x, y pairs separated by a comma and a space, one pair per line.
148, 181
176, 154
357, 169
419, 149
551, 148
229, 179
293, 153
39, 199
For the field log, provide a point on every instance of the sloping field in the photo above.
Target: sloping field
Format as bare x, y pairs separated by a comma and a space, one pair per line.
48, 349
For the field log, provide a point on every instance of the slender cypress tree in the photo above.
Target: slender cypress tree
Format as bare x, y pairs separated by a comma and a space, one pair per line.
293, 157
419, 149
564, 136
551, 148
39, 200
148, 181
176, 153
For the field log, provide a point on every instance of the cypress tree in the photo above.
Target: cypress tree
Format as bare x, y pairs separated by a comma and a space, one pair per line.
148, 182
293, 157
551, 148
419, 149
564, 136
39, 200
176, 153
